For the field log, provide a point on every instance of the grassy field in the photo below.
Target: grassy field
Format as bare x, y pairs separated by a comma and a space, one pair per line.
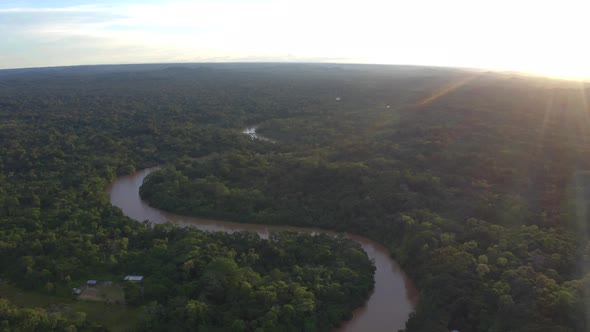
115, 317
110, 293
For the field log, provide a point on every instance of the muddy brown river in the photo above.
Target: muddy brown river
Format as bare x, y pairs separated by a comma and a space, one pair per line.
388, 307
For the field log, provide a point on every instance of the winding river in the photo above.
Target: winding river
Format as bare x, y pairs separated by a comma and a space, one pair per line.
388, 307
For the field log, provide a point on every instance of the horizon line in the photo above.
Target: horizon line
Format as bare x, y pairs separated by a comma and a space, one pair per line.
478, 69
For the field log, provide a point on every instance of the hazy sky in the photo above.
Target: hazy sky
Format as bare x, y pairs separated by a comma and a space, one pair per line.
548, 37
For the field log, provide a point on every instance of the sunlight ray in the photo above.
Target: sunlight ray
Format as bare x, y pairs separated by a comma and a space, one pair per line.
444, 91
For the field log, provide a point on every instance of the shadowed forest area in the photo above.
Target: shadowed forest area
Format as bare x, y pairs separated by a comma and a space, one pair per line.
478, 183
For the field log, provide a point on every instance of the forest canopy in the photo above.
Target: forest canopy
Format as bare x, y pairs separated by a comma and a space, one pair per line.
479, 191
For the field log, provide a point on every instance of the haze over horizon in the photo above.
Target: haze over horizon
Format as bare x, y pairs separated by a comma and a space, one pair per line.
540, 37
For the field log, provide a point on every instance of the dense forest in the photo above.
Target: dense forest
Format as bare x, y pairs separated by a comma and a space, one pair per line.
64, 141
239, 282
14, 318
476, 182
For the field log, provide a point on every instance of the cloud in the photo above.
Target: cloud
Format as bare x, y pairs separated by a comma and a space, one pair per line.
528, 35
208, 30
70, 9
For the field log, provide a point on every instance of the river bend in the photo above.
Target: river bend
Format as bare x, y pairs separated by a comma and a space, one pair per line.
387, 308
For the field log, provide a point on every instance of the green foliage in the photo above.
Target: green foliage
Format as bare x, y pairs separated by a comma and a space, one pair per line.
243, 282
480, 194
14, 319
64, 141
468, 191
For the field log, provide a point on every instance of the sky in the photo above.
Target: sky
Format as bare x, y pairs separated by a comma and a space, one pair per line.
533, 36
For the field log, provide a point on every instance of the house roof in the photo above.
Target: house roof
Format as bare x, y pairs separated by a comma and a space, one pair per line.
133, 278
91, 282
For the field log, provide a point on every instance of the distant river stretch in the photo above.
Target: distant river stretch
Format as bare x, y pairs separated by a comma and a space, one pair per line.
388, 307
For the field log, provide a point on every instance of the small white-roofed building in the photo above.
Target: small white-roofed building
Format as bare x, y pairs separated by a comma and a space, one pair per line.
133, 278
